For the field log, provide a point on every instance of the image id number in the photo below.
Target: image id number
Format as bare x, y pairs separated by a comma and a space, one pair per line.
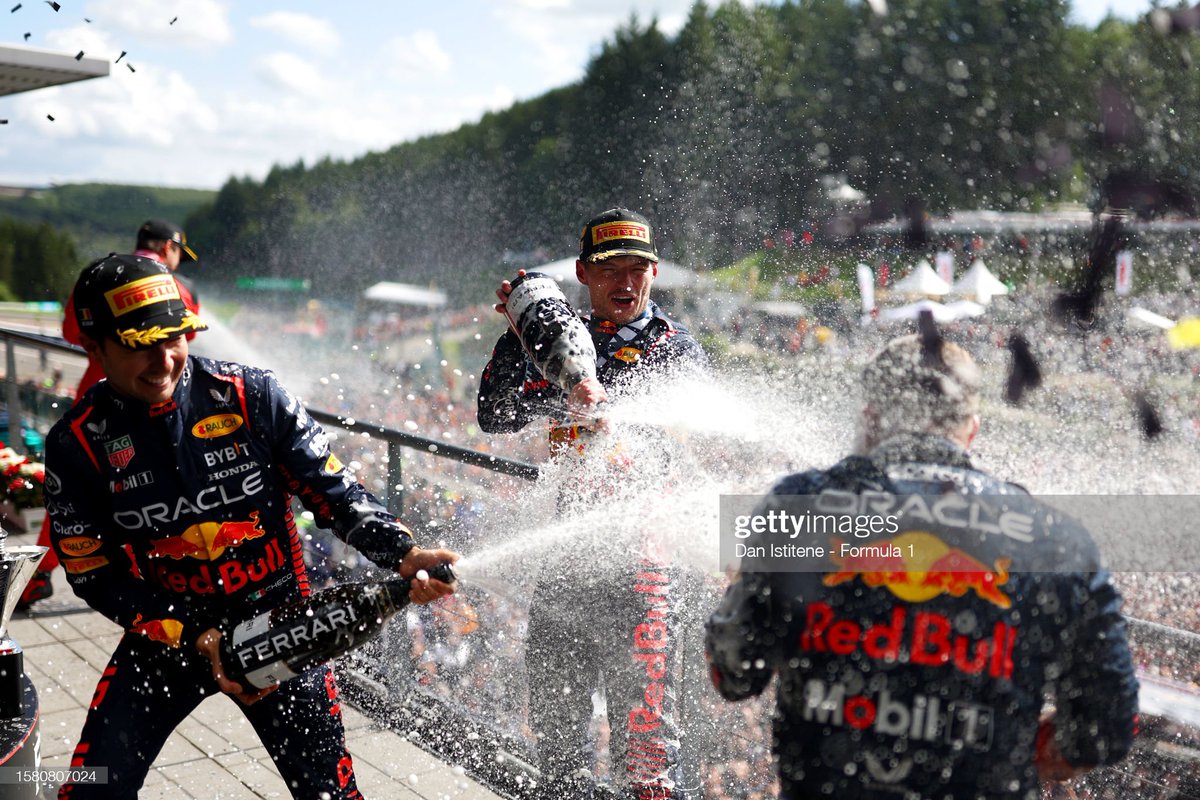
53, 776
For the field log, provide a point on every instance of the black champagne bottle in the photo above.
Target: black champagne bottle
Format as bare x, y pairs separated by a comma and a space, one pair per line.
281, 643
550, 331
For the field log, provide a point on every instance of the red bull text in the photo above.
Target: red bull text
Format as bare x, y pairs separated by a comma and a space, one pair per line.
646, 759
228, 578
928, 639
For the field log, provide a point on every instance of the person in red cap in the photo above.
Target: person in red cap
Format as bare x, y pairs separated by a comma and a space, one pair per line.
169, 488
166, 243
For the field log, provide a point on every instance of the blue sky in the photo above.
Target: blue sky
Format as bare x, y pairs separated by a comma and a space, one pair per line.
231, 88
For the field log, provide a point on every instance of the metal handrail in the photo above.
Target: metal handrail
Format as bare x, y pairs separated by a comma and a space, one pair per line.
12, 396
395, 439
391, 494
40, 340
465, 455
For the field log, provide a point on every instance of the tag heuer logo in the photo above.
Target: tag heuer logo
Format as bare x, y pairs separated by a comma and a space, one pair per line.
120, 452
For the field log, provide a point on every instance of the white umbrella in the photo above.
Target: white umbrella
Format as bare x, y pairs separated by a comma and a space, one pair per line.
941, 313
922, 281
781, 308
405, 294
1150, 319
961, 309
978, 282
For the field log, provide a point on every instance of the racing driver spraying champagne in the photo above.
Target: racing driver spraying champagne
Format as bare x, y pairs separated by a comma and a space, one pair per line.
628, 637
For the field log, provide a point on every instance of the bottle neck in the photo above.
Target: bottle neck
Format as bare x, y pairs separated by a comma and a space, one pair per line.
397, 590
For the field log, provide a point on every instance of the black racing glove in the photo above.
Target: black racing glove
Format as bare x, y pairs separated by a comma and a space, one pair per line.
385, 541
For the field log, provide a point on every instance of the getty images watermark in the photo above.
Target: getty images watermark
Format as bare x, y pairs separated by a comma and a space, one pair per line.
882, 536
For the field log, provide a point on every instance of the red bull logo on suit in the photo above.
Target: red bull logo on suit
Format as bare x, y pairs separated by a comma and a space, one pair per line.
206, 541
166, 631
917, 566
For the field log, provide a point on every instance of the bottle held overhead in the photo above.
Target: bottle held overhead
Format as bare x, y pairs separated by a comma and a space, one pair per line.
280, 644
552, 334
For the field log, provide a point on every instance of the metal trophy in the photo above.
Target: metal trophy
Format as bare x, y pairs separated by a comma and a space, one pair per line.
17, 565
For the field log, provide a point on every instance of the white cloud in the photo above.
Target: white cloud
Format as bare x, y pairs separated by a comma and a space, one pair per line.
291, 127
291, 73
1091, 12
268, 103
151, 108
417, 54
554, 33
94, 42
198, 23
301, 29
500, 97
541, 5
406, 116
550, 42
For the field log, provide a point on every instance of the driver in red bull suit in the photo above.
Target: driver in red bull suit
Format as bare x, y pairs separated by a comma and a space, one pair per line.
918, 669
162, 241
631, 644
169, 486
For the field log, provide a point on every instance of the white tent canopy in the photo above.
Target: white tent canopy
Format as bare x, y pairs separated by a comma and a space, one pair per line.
1149, 319
405, 294
781, 308
941, 312
979, 283
922, 281
845, 193
670, 274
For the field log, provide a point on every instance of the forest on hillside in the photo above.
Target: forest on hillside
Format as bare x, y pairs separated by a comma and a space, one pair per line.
36, 261
48, 234
722, 133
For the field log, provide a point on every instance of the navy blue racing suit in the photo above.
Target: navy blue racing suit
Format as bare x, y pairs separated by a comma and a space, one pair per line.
175, 518
629, 636
918, 668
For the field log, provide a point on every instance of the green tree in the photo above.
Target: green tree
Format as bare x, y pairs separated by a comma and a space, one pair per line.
8, 250
1145, 105
721, 133
37, 262
725, 163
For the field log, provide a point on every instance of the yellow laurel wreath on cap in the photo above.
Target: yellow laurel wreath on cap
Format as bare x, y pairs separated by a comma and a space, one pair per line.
132, 337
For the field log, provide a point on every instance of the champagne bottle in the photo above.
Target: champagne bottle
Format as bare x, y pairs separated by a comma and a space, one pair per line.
552, 334
281, 643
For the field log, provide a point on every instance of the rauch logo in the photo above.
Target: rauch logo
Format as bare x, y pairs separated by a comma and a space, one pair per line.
217, 425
